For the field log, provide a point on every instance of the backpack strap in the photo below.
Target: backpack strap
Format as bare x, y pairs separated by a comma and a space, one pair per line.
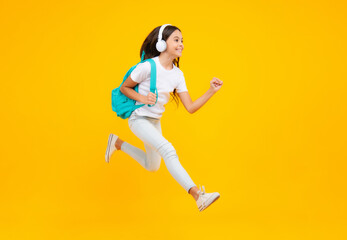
153, 86
143, 55
153, 75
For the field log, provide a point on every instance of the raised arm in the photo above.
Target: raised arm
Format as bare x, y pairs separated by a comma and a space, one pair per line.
193, 106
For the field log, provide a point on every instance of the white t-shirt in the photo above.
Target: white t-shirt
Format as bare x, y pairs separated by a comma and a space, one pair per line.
167, 81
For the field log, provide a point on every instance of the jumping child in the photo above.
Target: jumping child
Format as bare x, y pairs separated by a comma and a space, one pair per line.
164, 45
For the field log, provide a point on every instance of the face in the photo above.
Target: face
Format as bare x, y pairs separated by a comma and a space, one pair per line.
175, 44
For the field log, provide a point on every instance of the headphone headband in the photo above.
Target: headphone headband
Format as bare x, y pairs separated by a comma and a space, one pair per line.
161, 31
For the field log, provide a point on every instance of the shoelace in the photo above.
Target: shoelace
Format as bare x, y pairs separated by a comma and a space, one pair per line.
201, 194
200, 191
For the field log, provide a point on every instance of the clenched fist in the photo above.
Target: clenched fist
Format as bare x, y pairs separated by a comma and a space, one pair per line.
150, 98
216, 84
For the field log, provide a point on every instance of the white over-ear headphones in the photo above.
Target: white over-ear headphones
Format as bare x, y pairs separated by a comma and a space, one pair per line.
161, 44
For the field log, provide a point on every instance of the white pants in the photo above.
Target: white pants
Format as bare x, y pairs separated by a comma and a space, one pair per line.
149, 131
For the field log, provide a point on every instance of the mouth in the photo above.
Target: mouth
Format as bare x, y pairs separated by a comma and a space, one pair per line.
179, 50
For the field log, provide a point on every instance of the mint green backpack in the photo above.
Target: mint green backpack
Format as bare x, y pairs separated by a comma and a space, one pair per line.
123, 105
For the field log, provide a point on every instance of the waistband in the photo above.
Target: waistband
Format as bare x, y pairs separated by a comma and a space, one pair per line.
135, 116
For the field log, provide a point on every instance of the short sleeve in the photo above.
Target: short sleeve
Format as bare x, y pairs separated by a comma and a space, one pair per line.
181, 87
141, 72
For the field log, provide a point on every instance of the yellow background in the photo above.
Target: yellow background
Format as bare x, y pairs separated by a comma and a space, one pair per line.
272, 141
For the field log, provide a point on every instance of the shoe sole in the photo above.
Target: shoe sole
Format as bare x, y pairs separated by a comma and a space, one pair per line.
213, 198
107, 157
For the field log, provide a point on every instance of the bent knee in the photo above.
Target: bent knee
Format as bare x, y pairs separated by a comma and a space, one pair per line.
154, 164
166, 150
153, 168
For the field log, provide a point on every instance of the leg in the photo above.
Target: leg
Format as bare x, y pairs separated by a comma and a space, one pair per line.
147, 131
150, 159
194, 192
119, 143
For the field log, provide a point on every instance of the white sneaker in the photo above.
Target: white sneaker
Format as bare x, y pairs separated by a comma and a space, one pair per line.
206, 199
111, 148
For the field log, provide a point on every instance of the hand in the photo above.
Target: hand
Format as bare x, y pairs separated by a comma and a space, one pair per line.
150, 98
216, 84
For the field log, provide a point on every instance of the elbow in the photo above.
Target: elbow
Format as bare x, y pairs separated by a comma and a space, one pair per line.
122, 89
191, 108
191, 111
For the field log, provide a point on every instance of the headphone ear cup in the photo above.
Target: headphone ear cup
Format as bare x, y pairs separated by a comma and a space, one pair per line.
161, 46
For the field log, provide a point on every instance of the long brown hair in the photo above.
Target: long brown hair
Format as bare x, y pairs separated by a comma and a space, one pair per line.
151, 51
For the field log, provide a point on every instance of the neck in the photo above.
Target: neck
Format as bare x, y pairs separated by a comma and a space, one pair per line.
166, 60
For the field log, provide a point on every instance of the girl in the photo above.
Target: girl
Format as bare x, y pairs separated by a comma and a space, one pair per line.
164, 45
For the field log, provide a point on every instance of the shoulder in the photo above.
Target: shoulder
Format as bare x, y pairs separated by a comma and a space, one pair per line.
145, 64
143, 67
179, 73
